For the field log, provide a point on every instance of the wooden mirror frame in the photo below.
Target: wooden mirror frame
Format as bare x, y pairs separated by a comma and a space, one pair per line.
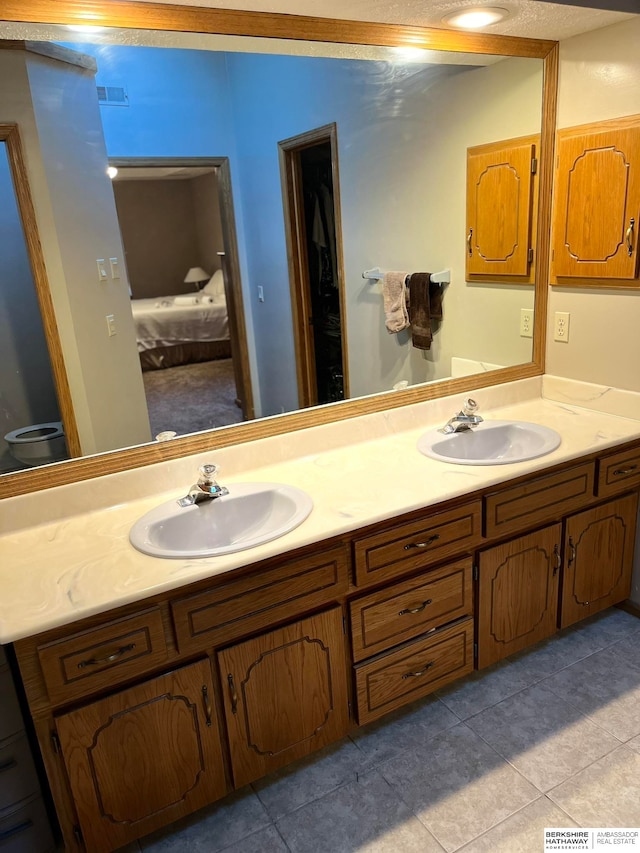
185, 19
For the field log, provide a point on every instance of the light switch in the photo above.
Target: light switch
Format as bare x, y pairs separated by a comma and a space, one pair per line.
102, 269
260, 293
115, 268
111, 324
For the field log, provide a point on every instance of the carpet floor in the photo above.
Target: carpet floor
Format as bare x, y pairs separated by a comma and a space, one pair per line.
192, 397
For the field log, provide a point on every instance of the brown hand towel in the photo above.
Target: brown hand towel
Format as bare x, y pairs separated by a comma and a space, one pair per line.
394, 294
420, 310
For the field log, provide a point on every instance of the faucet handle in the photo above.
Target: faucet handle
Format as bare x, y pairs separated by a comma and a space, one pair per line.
470, 406
207, 473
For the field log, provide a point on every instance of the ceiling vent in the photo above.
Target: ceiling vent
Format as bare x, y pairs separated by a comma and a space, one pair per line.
113, 96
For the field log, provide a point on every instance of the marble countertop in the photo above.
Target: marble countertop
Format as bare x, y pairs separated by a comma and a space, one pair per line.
57, 570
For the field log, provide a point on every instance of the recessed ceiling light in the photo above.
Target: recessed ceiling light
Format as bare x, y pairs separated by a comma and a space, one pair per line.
474, 19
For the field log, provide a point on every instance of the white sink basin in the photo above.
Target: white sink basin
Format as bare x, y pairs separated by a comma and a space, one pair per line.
491, 443
251, 514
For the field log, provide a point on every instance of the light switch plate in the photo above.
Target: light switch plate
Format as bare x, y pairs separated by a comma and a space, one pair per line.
102, 269
115, 268
111, 325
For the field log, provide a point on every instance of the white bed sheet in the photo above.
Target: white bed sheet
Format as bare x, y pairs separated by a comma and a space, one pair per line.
161, 323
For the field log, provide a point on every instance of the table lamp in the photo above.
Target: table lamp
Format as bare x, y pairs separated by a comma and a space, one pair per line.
197, 276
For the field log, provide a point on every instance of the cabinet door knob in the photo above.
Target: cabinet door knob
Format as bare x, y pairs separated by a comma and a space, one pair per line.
207, 704
234, 695
426, 544
629, 236
417, 609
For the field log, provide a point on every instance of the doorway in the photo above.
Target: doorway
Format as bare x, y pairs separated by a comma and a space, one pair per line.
311, 192
210, 344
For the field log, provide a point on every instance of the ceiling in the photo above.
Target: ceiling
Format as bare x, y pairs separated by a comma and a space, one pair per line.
528, 18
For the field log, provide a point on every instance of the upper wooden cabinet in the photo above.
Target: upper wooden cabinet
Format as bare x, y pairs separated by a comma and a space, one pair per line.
500, 208
597, 201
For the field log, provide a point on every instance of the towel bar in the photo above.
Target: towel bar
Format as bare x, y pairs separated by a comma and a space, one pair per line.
376, 274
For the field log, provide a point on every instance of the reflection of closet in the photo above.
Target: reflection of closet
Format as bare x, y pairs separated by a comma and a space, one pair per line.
324, 293
597, 202
312, 219
501, 209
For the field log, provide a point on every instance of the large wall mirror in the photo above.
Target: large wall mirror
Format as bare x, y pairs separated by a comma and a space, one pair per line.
258, 179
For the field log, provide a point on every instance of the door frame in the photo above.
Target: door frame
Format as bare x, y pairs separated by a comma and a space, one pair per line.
297, 258
10, 135
230, 261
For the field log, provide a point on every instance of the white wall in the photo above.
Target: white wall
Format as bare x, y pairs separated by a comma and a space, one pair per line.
599, 79
75, 211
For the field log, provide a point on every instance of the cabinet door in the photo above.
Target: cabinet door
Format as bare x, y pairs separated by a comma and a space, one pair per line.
286, 694
143, 757
597, 203
598, 558
518, 594
499, 208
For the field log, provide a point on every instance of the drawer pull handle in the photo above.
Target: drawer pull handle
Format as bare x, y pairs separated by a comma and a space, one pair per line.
15, 830
426, 544
572, 553
234, 695
417, 609
419, 672
619, 472
109, 658
207, 704
558, 559
8, 765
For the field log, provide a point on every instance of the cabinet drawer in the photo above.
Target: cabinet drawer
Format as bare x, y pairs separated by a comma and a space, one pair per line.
541, 499
399, 550
618, 471
90, 660
27, 828
247, 604
10, 716
395, 614
18, 778
416, 669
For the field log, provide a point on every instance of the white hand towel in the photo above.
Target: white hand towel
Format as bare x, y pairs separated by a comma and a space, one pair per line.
394, 293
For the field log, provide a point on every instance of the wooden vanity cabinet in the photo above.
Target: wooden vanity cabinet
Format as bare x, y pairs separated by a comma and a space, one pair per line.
285, 694
597, 202
142, 757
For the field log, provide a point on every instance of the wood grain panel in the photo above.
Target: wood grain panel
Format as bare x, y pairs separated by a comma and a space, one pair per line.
618, 472
255, 601
414, 670
597, 201
500, 207
285, 694
416, 544
598, 561
143, 757
93, 660
538, 500
397, 613
518, 593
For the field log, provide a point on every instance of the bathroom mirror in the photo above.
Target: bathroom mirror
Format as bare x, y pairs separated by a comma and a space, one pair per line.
362, 248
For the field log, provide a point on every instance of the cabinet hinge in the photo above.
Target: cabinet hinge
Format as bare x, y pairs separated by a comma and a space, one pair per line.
534, 165
77, 833
475, 651
530, 256
55, 743
476, 573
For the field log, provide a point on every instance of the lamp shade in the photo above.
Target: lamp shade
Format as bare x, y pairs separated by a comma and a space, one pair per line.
195, 275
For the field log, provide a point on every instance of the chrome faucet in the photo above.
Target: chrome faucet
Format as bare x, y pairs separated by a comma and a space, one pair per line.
464, 420
206, 489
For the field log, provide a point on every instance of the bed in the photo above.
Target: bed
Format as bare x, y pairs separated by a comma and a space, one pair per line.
182, 329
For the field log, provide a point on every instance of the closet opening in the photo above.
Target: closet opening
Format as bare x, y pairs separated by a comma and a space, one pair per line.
309, 168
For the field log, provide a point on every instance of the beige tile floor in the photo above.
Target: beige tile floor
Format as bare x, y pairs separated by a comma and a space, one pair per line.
548, 738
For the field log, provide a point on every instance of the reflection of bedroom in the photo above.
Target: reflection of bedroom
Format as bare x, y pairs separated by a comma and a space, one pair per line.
171, 232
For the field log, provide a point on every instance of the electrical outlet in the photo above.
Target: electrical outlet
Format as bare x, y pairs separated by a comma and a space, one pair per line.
561, 326
526, 322
111, 325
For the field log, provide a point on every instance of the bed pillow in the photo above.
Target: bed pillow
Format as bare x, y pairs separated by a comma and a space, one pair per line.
215, 286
